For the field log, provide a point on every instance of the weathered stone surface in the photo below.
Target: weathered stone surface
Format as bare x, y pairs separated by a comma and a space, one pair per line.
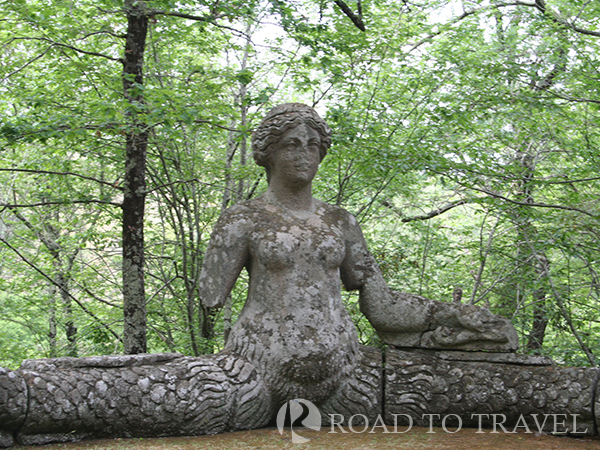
101, 362
6, 439
360, 393
507, 358
164, 395
408, 320
13, 401
298, 250
420, 382
160, 395
294, 326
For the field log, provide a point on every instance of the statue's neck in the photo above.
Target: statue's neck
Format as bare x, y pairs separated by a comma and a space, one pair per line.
295, 199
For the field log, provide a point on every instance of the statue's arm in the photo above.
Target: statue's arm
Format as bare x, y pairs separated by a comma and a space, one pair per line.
386, 310
226, 255
359, 270
409, 320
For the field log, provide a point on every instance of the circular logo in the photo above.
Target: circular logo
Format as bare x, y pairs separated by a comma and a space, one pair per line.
296, 409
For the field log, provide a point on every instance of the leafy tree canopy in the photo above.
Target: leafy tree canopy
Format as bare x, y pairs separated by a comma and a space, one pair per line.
465, 141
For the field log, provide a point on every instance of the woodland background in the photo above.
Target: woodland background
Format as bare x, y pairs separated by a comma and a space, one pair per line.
466, 142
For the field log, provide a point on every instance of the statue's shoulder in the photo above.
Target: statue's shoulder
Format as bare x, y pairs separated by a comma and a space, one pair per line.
328, 208
338, 213
240, 217
247, 212
245, 208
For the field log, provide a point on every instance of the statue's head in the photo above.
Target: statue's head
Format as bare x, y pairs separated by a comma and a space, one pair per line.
278, 121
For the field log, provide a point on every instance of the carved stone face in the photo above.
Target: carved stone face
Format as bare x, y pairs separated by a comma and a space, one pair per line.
297, 156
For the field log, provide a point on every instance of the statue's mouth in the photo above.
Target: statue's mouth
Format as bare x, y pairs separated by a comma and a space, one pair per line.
302, 167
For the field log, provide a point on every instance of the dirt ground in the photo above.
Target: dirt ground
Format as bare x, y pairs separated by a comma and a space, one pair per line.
416, 438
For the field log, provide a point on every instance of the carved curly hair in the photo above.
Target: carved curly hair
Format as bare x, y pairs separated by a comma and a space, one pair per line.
281, 119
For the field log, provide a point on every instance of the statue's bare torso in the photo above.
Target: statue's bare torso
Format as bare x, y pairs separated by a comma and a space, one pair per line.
293, 326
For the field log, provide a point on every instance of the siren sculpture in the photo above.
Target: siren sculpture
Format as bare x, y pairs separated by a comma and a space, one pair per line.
294, 338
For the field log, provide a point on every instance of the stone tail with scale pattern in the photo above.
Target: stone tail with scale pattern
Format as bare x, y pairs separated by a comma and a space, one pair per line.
67, 399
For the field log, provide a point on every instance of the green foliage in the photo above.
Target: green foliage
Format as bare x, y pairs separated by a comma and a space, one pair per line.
494, 108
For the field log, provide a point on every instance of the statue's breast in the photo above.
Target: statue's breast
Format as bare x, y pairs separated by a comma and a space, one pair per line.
284, 243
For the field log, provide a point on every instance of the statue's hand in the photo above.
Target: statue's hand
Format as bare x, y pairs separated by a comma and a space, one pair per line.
409, 320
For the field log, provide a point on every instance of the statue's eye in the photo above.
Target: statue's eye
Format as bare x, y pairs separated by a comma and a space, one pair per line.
290, 145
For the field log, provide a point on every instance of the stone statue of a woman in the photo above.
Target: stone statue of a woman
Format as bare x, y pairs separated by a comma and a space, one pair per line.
298, 251
293, 338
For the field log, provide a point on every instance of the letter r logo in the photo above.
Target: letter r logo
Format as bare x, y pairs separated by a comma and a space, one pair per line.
296, 408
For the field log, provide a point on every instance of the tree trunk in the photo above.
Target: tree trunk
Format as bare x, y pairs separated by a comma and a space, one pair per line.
70, 327
53, 353
232, 147
134, 298
538, 327
533, 259
62, 270
207, 318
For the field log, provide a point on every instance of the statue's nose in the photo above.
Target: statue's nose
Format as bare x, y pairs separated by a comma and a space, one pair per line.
302, 150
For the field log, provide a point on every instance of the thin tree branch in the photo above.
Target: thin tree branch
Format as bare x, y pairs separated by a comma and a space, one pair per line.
223, 127
110, 11
49, 172
574, 99
162, 12
110, 33
365, 208
510, 179
52, 246
210, 18
535, 205
32, 60
225, 27
534, 4
581, 10
430, 214
190, 180
41, 272
67, 202
483, 257
356, 20
70, 47
54, 249
168, 342
110, 126
580, 180
253, 190
458, 19
94, 296
539, 5
498, 280
567, 317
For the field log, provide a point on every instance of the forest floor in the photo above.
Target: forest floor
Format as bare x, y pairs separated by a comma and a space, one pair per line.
416, 438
